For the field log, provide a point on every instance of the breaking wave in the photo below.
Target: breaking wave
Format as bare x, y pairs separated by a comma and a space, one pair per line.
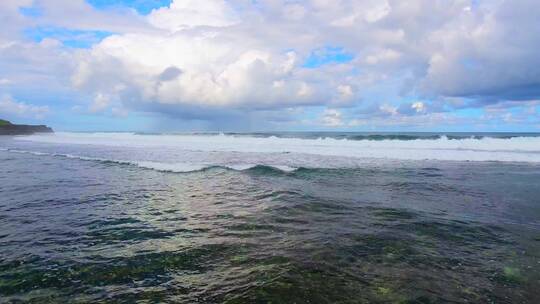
160, 166
513, 149
181, 153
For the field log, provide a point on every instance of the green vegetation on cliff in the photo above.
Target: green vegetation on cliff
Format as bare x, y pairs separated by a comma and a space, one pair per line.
7, 128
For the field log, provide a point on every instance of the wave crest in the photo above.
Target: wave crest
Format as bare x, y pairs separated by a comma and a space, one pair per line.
294, 150
166, 167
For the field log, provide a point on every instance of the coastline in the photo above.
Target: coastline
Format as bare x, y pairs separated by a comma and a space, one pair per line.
7, 128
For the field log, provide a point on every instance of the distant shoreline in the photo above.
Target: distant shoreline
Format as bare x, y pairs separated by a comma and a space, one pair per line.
7, 128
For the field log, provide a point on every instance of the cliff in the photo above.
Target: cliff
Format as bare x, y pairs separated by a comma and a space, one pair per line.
7, 128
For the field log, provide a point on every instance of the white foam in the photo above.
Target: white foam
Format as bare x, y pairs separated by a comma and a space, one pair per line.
517, 149
158, 166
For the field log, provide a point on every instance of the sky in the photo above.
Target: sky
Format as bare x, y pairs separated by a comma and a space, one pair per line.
271, 65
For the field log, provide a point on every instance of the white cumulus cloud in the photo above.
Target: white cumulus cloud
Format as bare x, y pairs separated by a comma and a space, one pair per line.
11, 107
213, 58
332, 118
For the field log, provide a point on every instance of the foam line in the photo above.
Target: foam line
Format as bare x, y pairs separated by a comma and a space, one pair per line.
157, 166
515, 149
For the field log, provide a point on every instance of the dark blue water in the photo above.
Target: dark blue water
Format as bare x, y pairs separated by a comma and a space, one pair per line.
83, 231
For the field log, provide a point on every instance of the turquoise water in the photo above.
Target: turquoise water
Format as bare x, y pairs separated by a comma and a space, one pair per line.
89, 230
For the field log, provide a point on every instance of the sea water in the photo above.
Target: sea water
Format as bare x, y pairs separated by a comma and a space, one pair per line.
270, 217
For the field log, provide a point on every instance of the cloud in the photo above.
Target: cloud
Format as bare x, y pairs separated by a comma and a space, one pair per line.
5, 81
204, 69
219, 60
214, 61
10, 107
488, 53
170, 73
225, 62
185, 14
100, 103
45, 65
332, 118
79, 15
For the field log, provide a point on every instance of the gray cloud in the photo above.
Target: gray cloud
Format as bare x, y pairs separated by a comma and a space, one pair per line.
170, 73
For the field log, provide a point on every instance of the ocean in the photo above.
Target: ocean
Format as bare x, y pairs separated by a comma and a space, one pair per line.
270, 218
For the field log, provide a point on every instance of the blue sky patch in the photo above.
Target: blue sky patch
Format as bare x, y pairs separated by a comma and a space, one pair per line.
470, 64
32, 11
70, 38
143, 7
327, 55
